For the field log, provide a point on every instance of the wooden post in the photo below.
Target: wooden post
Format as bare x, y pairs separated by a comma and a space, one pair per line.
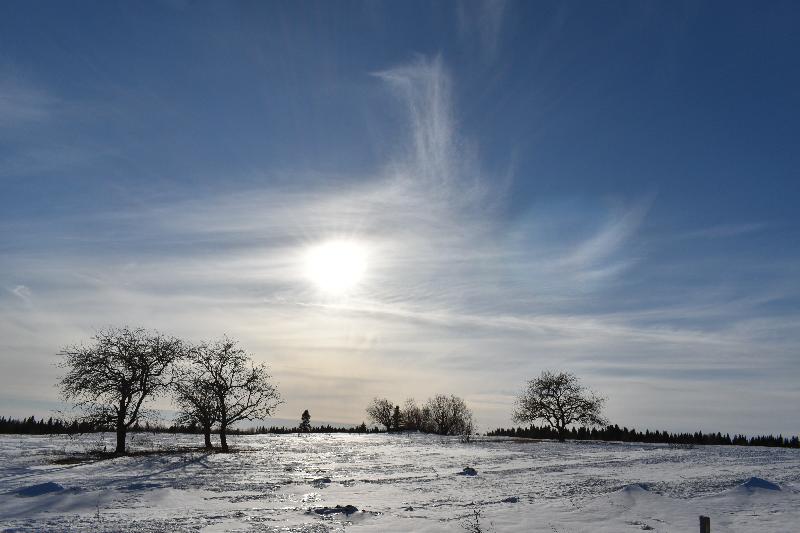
705, 524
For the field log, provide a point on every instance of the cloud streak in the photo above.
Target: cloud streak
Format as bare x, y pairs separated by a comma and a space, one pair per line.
483, 19
22, 102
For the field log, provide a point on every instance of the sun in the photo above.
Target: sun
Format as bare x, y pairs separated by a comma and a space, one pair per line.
336, 267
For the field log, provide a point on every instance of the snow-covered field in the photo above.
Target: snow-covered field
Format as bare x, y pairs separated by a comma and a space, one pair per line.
398, 483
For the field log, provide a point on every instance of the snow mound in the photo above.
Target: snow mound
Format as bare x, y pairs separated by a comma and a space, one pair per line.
635, 488
41, 488
756, 483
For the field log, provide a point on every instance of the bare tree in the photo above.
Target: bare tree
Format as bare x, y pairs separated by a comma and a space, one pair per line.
412, 415
448, 415
559, 400
380, 411
112, 379
242, 390
196, 399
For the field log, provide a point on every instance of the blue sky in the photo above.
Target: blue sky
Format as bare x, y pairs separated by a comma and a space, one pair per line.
606, 188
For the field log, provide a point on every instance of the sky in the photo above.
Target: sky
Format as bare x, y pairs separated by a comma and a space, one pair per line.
604, 188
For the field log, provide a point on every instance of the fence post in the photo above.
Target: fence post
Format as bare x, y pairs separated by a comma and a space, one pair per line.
705, 524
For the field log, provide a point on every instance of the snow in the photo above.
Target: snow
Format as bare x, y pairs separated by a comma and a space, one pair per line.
397, 482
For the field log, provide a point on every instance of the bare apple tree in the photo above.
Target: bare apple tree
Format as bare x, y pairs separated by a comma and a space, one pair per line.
242, 390
196, 400
413, 416
448, 415
380, 411
110, 380
559, 400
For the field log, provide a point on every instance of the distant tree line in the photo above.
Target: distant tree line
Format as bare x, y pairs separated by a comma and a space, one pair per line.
561, 402
612, 433
283, 430
615, 433
55, 426
31, 426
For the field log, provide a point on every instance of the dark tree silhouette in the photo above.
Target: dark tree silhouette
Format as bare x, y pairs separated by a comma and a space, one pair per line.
380, 412
397, 419
111, 380
242, 390
196, 399
305, 422
448, 415
559, 400
413, 417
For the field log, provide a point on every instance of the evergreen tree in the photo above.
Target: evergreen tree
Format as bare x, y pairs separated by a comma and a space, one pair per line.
305, 422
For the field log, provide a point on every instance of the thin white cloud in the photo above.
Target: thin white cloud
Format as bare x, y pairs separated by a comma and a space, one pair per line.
40, 127
725, 230
484, 20
22, 292
22, 102
609, 239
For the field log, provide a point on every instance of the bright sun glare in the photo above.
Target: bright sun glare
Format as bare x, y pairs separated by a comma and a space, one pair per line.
336, 267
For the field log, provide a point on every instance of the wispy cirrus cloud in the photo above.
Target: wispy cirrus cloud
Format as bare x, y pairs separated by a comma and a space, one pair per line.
43, 132
725, 230
22, 292
456, 297
23, 102
484, 19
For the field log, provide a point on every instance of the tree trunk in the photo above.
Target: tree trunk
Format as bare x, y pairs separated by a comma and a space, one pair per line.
207, 435
223, 441
562, 434
223, 424
122, 429
121, 434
